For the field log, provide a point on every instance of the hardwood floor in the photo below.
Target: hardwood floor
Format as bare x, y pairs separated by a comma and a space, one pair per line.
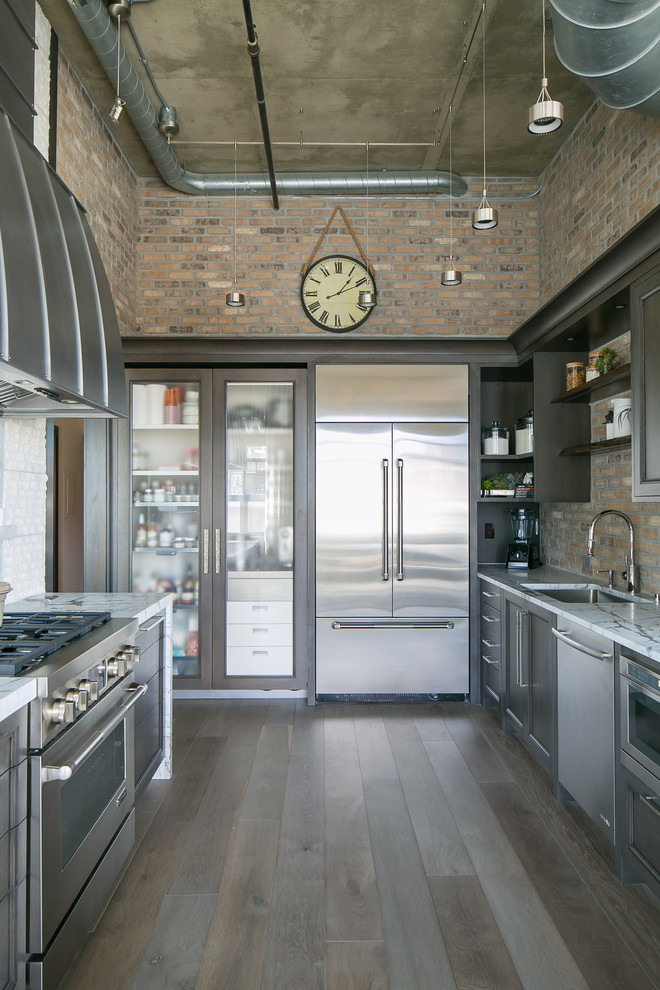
364, 847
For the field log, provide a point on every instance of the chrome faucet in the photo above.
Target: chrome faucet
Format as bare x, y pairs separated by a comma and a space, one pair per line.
629, 572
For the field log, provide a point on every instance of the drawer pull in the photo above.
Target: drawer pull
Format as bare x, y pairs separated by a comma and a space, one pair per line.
649, 800
256, 629
487, 642
490, 661
490, 594
259, 653
489, 618
259, 608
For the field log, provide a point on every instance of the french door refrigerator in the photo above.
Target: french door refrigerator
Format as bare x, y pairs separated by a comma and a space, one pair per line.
392, 559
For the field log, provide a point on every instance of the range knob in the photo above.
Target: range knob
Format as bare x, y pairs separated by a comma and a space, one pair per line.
61, 711
91, 688
134, 652
117, 666
79, 699
126, 654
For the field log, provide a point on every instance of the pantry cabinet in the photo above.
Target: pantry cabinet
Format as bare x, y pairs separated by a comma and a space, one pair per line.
645, 350
218, 519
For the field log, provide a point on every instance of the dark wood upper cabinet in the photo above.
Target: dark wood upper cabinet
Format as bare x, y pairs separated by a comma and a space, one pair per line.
645, 347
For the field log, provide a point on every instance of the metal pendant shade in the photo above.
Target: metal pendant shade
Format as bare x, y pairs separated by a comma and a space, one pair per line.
546, 115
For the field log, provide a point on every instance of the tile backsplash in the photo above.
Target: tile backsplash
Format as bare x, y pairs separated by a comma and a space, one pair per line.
23, 483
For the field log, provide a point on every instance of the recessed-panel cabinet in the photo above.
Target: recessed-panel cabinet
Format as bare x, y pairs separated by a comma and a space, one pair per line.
530, 678
218, 520
645, 359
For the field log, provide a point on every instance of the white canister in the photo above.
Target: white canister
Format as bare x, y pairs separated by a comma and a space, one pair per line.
155, 404
525, 434
622, 422
495, 439
140, 407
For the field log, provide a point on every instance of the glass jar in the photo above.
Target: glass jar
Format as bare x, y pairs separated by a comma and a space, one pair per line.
574, 374
525, 433
495, 439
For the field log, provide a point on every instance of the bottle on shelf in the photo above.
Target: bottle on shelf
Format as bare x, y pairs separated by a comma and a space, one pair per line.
141, 533
152, 534
192, 643
189, 588
166, 536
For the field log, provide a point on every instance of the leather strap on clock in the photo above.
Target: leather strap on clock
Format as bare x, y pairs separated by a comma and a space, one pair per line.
336, 210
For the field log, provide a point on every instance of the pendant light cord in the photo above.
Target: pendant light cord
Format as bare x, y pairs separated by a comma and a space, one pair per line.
118, 51
451, 197
483, 83
367, 210
235, 194
543, 36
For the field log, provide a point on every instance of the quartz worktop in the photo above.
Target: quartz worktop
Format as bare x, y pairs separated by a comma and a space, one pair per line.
15, 692
632, 624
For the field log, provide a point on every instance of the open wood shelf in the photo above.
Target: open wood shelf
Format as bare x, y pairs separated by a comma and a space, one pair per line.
583, 392
598, 445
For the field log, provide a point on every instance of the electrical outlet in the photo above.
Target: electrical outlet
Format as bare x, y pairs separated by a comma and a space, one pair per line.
489, 531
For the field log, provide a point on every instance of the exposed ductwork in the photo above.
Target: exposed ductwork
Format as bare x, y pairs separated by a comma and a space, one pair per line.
60, 350
614, 46
93, 18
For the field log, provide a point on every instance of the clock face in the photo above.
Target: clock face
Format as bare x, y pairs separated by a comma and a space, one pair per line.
330, 290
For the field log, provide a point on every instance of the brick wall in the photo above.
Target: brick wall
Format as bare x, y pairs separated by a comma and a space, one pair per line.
91, 164
185, 260
604, 180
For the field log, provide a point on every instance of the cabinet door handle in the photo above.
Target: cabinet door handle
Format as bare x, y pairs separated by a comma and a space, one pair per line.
520, 623
400, 574
386, 519
218, 547
205, 551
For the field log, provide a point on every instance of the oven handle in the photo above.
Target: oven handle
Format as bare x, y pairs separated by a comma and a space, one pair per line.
67, 770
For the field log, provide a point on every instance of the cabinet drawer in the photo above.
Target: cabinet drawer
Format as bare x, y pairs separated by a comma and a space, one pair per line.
259, 634
644, 835
490, 596
259, 612
491, 623
267, 661
249, 589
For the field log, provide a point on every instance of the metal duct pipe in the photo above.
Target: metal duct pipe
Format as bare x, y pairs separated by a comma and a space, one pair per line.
101, 34
614, 46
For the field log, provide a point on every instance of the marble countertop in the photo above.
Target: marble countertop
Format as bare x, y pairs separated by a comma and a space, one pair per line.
633, 624
15, 692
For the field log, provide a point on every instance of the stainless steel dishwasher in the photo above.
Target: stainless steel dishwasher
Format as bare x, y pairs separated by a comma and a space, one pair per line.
585, 722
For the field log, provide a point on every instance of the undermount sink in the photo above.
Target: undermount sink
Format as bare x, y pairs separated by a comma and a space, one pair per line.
586, 594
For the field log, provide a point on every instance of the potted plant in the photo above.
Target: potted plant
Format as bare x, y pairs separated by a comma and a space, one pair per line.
605, 360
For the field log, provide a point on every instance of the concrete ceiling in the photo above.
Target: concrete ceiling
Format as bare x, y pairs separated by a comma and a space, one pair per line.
341, 72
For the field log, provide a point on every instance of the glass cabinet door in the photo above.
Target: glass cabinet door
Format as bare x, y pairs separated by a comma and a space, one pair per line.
165, 520
259, 528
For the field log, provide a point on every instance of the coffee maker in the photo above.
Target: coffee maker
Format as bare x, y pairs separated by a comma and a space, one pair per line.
524, 551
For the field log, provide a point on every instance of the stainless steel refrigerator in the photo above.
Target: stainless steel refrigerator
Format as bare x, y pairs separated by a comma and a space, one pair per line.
392, 559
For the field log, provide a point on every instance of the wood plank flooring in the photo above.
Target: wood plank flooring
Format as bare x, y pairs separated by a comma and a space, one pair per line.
364, 847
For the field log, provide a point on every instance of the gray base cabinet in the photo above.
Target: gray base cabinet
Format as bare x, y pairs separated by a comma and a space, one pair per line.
530, 679
13, 850
638, 826
490, 644
149, 709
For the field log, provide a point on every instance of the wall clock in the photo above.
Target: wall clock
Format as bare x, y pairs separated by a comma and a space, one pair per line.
330, 289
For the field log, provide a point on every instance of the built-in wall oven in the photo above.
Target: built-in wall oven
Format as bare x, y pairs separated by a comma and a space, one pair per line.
638, 783
81, 774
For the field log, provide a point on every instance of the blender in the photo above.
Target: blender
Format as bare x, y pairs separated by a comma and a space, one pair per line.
524, 551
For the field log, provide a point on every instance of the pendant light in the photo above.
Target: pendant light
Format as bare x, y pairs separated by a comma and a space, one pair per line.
451, 275
367, 297
234, 297
118, 11
484, 216
546, 115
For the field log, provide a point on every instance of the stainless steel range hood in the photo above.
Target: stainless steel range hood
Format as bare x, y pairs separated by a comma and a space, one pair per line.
60, 350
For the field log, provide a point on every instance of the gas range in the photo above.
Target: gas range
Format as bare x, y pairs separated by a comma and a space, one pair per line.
74, 656
27, 638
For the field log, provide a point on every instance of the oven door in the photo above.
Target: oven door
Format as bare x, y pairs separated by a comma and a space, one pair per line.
640, 713
82, 789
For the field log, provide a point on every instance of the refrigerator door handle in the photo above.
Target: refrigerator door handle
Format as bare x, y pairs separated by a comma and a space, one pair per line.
400, 624
386, 519
399, 535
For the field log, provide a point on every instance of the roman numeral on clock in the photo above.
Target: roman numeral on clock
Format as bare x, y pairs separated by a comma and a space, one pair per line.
337, 321
325, 270
314, 306
338, 267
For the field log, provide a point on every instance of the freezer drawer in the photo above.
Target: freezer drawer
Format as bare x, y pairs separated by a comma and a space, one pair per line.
392, 657
259, 634
260, 612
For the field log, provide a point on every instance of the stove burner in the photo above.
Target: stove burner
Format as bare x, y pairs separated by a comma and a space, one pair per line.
26, 638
